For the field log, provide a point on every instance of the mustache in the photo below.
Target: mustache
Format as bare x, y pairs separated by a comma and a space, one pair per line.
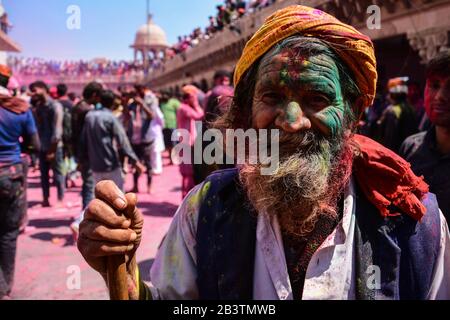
311, 176
304, 143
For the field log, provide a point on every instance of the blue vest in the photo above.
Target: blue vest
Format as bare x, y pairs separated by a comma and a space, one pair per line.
404, 250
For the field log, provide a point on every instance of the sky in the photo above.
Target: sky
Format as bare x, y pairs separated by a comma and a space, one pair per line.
107, 27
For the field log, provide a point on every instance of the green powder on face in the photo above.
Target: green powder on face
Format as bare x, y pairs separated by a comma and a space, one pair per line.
333, 118
292, 112
284, 77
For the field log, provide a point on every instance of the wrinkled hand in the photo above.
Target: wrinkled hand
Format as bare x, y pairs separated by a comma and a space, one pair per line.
112, 225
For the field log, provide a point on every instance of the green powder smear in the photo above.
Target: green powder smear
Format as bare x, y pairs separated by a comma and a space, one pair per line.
293, 112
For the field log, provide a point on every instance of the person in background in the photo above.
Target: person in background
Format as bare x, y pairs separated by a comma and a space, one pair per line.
189, 112
169, 108
5, 25
138, 117
24, 94
415, 99
221, 78
53, 92
155, 132
429, 152
218, 104
61, 91
16, 122
73, 98
101, 138
211, 28
398, 120
118, 108
49, 115
91, 98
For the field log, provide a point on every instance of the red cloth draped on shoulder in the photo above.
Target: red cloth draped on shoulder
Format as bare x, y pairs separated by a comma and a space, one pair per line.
14, 104
387, 180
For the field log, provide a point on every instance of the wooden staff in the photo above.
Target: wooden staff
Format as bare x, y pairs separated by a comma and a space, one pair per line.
117, 278
117, 275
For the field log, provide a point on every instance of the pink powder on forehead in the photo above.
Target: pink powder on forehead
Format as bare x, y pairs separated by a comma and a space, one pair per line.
318, 12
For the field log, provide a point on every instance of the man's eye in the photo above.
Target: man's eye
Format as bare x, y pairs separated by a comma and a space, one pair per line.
318, 101
272, 97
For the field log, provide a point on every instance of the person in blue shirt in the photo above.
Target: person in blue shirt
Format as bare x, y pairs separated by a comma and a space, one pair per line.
16, 123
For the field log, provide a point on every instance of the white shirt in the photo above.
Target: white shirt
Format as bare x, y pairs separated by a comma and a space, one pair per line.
154, 132
330, 273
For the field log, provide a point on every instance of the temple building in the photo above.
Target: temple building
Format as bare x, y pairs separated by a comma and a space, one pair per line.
150, 43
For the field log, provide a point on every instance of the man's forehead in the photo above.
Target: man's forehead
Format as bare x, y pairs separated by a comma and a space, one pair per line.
281, 55
278, 59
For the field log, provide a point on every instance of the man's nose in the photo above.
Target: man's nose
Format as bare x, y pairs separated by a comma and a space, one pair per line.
291, 118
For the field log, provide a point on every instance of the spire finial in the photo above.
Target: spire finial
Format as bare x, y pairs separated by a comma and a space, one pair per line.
149, 15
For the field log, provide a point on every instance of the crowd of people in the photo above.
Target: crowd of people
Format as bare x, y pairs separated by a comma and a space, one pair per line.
95, 68
102, 135
227, 15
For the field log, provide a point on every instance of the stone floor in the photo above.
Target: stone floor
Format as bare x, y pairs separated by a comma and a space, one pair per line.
48, 264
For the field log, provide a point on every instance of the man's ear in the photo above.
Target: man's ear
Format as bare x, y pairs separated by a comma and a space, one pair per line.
358, 106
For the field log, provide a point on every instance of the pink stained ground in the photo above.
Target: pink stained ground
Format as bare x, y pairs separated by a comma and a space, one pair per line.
46, 254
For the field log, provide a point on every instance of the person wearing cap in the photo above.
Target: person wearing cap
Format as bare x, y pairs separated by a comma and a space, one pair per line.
398, 121
169, 106
16, 122
341, 218
429, 151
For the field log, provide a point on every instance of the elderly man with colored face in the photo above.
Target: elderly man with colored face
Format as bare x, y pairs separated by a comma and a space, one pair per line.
341, 218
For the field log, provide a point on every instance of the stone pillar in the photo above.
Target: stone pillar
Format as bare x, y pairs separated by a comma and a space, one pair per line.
145, 58
429, 42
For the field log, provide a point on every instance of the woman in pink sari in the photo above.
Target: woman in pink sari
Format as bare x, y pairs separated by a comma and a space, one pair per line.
189, 112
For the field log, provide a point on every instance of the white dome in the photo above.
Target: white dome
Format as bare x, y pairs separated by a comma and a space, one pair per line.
150, 36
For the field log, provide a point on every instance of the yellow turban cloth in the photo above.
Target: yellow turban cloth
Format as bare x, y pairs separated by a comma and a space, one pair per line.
354, 48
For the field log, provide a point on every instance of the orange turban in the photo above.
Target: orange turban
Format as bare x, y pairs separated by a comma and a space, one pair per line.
5, 71
190, 89
354, 48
